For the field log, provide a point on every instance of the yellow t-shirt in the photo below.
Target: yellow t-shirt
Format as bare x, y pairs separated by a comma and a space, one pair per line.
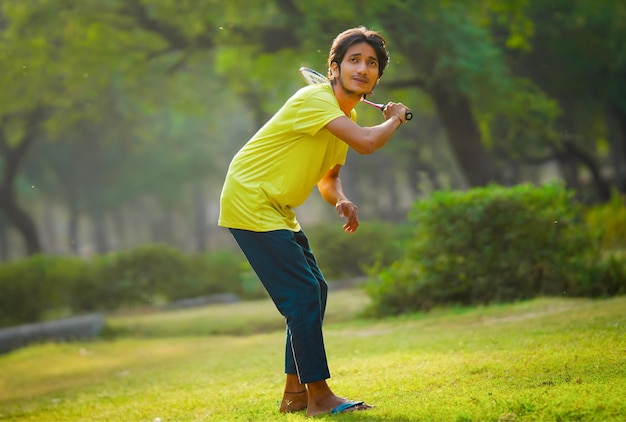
277, 169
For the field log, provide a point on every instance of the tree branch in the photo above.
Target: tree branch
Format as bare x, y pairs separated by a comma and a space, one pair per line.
171, 34
602, 187
271, 38
407, 83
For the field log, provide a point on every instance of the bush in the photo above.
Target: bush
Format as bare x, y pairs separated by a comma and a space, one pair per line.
140, 276
605, 276
607, 223
87, 283
26, 293
486, 245
346, 255
607, 266
42, 286
206, 274
158, 273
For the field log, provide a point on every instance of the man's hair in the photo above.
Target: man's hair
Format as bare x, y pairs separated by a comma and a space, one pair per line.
352, 36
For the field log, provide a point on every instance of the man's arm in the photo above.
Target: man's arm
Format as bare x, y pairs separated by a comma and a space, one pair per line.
332, 191
366, 140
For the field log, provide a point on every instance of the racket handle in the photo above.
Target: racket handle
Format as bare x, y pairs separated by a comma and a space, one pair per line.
407, 116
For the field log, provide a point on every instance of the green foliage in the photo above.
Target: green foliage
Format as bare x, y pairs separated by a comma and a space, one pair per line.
138, 95
39, 286
607, 223
86, 284
453, 41
488, 245
26, 290
342, 255
524, 122
250, 284
140, 275
209, 273
605, 277
607, 226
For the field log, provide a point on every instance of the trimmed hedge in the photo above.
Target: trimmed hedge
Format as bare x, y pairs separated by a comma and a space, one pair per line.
39, 286
25, 290
495, 244
484, 245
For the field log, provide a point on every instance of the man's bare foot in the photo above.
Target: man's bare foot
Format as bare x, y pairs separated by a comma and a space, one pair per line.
340, 405
323, 401
294, 401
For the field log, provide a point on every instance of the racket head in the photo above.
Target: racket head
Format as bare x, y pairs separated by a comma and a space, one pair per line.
312, 76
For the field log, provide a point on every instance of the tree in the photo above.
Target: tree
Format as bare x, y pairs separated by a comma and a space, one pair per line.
17, 134
449, 54
578, 59
120, 85
56, 59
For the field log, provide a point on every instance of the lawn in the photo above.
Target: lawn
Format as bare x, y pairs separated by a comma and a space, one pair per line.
543, 360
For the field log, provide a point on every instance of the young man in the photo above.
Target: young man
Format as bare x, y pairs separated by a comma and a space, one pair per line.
303, 145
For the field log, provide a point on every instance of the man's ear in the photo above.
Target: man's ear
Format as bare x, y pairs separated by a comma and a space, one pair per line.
334, 70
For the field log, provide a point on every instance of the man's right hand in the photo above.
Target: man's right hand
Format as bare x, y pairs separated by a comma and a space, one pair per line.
350, 212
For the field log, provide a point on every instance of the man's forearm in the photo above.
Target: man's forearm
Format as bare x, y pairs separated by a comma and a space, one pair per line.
332, 190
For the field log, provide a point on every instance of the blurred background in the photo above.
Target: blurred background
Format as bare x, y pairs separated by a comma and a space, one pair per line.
118, 118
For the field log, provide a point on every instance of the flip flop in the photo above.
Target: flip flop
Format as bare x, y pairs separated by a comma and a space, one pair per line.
347, 406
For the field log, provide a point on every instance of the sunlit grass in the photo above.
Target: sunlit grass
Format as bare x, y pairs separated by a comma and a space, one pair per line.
547, 359
242, 318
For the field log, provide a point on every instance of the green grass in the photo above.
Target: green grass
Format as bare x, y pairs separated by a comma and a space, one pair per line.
542, 360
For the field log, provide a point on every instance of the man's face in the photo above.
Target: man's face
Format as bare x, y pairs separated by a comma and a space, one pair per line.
358, 73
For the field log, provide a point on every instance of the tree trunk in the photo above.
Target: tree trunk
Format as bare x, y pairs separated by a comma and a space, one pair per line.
601, 187
73, 225
201, 228
21, 220
47, 230
162, 227
617, 131
455, 112
568, 167
13, 158
4, 241
101, 238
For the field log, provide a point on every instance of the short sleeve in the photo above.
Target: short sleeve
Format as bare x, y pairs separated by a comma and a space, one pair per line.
314, 109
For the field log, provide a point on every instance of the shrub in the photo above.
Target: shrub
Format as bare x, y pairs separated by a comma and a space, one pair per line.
66, 274
89, 285
486, 245
206, 274
607, 223
607, 266
346, 255
605, 276
26, 293
40, 286
141, 276
251, 286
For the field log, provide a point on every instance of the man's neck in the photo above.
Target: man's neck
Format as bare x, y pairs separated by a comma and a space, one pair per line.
347, 100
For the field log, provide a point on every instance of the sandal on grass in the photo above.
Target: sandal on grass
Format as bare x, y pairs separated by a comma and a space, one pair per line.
350, 406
